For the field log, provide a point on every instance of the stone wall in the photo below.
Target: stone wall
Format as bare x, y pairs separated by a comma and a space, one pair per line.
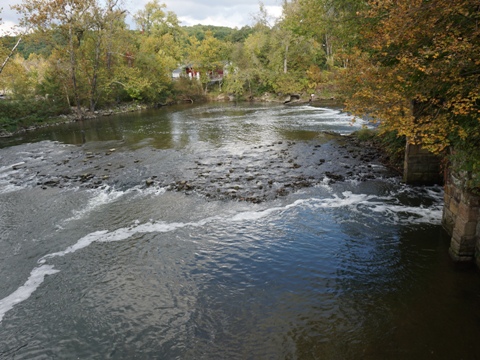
461, 218
421, 167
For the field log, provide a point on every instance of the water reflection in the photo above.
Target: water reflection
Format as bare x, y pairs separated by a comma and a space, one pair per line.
182, 125
345, 270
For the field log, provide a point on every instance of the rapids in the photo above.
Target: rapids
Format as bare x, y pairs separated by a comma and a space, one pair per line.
223, 232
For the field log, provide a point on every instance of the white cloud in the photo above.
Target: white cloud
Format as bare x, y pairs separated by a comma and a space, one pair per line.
231, 13
7, 28
9, 18
274, 10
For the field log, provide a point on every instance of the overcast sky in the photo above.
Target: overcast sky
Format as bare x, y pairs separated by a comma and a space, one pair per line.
231, 13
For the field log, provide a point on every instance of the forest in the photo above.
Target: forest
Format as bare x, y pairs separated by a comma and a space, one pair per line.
413, 66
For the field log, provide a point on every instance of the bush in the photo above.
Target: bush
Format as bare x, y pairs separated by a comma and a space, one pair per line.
187, 89
16, 114
365, 134
388, 142
394, 147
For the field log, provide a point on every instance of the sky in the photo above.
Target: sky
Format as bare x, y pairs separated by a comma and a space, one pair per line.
231, 13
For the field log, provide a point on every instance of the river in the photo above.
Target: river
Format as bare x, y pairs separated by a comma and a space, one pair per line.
223, 231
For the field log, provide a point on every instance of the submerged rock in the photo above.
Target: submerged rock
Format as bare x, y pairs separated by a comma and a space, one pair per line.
259, 172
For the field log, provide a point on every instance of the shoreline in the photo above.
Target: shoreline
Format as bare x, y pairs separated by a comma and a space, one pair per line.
73, 117
136, 107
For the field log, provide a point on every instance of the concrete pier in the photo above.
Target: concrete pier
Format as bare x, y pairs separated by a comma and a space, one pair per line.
461, 210
461, 218
421, 167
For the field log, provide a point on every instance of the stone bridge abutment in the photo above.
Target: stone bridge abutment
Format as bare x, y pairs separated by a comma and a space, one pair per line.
461, 219
461, 210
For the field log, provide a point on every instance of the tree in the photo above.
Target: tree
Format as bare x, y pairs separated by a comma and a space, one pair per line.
242, 74
90, 34
153, 20
105, 23
69, 17
161, 48
209, 56
10, 54
419, 72
5, 54
332, 23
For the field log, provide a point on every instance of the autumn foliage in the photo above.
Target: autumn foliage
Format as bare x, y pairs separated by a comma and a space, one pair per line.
418, 72
411, 65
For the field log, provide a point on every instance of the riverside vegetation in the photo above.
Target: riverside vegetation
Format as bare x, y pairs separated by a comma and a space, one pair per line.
413, 66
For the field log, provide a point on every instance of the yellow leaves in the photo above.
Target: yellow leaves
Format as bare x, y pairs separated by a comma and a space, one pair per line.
462, 134
437, 59
314, 74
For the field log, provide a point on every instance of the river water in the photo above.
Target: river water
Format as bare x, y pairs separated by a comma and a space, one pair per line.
223, 232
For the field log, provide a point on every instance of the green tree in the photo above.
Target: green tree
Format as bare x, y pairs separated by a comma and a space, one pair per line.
242, 74
90, 34
419, 73
70, 18
154, 20
106, 23
161, 48
272, 59
208, 57
334, 24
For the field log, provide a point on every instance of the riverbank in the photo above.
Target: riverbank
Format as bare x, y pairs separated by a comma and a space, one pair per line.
74, 116
291, 165
86, 114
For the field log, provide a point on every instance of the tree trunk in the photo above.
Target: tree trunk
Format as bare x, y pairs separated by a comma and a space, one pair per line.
10, 55
73, 69
66, 94
328, 50
96, 64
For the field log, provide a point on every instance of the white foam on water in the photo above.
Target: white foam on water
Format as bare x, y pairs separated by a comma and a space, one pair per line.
100, 197
80, 244
107, 195
151, 190
361, 203
6, 173
394, 212
6, 187
253, 215
317, 116
354, 182
400, 214
36, 278
7, 168
435, 192
104, 236
334, 123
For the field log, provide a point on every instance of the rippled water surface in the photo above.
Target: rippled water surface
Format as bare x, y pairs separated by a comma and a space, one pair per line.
349, 269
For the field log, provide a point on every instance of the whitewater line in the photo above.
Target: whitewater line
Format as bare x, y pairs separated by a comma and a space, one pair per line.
376, 204
36, 278
38, 274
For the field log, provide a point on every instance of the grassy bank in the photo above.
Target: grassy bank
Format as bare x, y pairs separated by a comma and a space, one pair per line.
21, 114
24, 115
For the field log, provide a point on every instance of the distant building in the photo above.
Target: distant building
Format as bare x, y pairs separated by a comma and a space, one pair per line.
177, 73
185, 71
189, 71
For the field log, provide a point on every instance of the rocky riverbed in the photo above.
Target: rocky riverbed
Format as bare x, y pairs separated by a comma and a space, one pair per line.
253, 173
